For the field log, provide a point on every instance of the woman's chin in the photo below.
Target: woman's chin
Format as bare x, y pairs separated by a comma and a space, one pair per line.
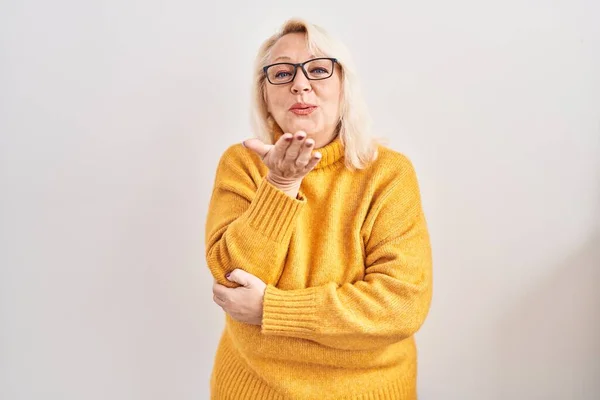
305, 126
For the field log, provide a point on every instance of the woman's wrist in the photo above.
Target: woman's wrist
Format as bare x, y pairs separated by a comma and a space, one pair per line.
289, 187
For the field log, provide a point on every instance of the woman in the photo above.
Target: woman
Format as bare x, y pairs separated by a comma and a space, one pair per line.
316, 239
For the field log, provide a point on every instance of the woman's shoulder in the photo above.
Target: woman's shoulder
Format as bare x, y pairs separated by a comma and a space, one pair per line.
393, 176
391, 164
392, 154
238, 165
237, 156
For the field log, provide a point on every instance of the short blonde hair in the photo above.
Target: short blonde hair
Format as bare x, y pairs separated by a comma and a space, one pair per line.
360, 147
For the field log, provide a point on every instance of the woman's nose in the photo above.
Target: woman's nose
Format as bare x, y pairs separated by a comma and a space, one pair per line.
300, 83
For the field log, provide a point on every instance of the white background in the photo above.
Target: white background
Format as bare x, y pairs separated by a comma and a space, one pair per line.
113, 115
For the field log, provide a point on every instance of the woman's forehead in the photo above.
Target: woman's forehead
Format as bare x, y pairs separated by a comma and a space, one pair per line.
293, 47
294, 57
299, 58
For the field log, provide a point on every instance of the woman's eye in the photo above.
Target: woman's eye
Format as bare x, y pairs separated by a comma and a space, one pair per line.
282, 74
319, 71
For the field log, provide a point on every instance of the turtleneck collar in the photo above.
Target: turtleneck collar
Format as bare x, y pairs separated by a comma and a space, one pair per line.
331, 153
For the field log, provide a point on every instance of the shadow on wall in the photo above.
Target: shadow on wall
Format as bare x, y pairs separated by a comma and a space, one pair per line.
551, 335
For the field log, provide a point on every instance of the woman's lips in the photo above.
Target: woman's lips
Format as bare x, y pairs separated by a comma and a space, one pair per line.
303, 111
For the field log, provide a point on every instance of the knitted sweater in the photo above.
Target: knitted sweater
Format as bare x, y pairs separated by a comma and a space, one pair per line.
348, 270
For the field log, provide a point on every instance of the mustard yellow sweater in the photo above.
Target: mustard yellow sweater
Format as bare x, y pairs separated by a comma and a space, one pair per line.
349, 273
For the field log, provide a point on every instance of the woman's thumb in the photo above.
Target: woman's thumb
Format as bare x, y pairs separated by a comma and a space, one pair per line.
239, 276
257, 146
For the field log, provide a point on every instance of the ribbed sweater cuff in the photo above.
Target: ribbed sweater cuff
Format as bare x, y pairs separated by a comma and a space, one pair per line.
289, 311
272, 212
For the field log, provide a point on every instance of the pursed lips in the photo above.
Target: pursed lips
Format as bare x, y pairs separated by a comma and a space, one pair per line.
302, 108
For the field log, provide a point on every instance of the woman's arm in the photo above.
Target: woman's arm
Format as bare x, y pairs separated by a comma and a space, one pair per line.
388, 305
248, 225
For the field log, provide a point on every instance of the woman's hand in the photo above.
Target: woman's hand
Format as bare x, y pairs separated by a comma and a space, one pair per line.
288, 160
244, 303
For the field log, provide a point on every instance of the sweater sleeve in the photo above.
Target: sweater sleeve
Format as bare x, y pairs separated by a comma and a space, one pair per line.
389, 304
249, 222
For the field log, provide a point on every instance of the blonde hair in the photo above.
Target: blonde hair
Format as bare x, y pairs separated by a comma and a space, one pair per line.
354, 126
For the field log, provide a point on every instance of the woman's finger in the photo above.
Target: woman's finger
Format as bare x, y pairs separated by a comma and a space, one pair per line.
257, 146
293, 151
305, 153
313, 161
220, 302
220, 290
280, 147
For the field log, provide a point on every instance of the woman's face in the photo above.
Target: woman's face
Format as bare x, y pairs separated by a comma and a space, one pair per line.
305, 105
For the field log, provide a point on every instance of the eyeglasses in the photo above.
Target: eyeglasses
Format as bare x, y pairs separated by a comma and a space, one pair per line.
314, 70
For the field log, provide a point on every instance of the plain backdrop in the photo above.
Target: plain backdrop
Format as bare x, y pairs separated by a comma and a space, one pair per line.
113, 115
